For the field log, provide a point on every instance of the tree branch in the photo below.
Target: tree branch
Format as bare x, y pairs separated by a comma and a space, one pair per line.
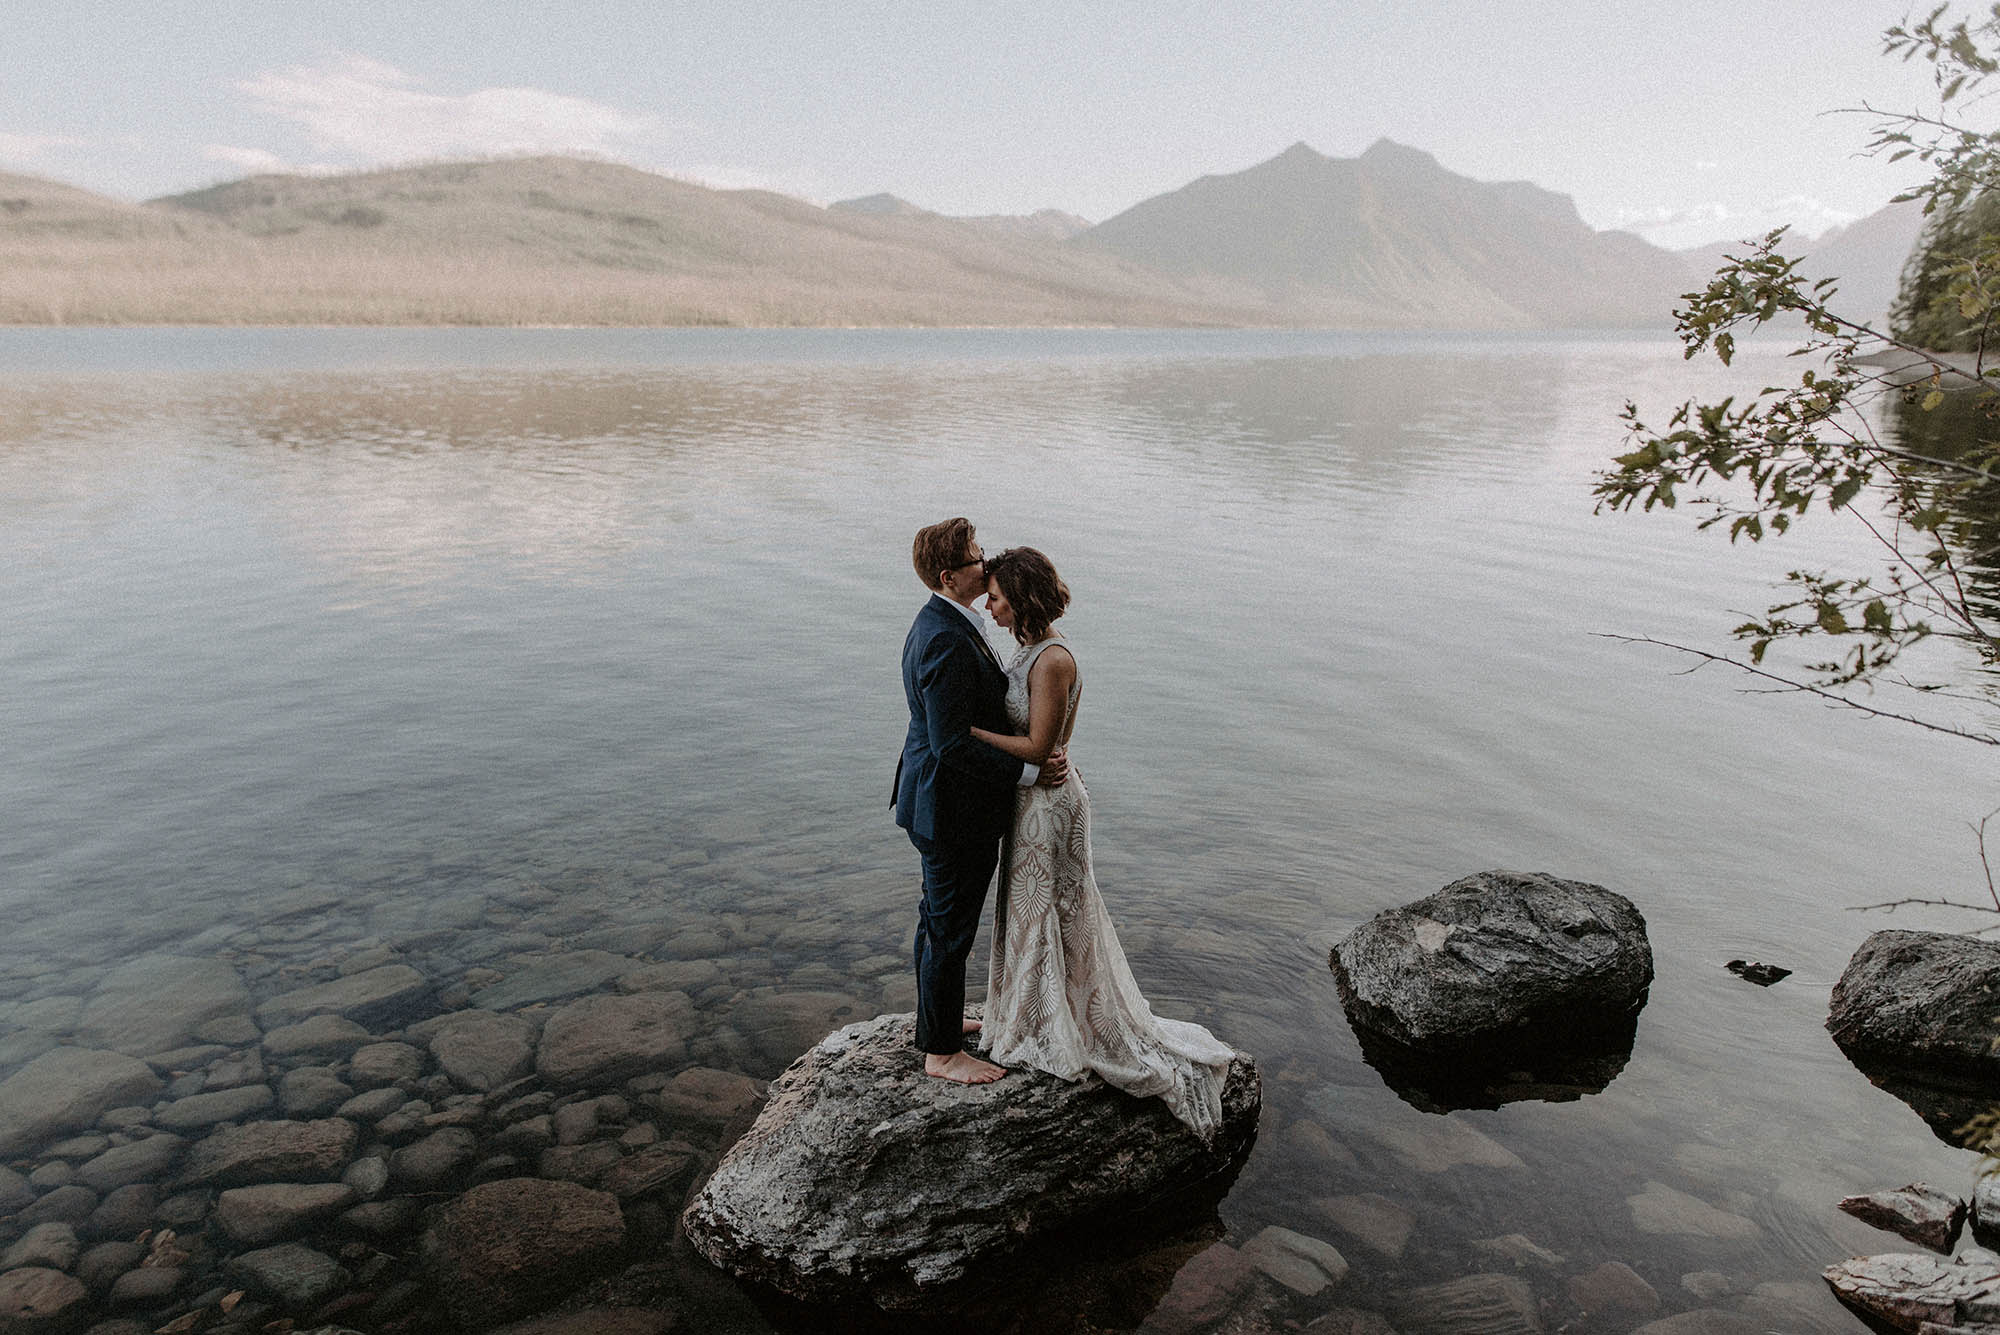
1804, 687
1891, 905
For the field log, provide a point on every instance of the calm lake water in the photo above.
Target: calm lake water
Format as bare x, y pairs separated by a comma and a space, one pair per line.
406, 620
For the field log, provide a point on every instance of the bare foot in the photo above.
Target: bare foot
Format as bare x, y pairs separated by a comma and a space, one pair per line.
961, 1067
971, 1026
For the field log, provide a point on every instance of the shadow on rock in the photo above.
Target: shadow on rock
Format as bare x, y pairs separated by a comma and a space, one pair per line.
1110, 1279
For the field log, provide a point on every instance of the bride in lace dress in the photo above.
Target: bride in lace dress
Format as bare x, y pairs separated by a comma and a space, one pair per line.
1060, 996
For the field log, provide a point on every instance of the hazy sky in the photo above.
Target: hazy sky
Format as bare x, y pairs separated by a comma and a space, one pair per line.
1686, 122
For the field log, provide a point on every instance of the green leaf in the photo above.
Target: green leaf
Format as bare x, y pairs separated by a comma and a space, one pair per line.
1933, 399
1831, 621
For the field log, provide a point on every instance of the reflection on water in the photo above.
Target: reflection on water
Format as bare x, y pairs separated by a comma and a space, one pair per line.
476, 656
1550, 1074
1962, 427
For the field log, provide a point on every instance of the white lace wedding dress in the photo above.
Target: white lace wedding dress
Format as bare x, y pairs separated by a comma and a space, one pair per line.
1059, 995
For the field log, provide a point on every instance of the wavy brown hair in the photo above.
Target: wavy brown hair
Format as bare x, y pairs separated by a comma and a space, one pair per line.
1032, 587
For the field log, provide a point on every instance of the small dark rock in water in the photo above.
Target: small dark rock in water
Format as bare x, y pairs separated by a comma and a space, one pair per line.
865, 1182
1761, 974
1497, 973
1919, 1212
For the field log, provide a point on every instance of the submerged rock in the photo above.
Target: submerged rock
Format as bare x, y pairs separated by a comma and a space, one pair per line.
317, 1038
242, 1156
1494, 970
1919, 1212
481, 1050
292, 1275
158, 1001
1906, 1289
602, 1040
256, 1216
501, 1248
863, 1181
35, 1298
66, 1090
52, 1245
374, 997
1305, 1265
1472, 1305
124, 1165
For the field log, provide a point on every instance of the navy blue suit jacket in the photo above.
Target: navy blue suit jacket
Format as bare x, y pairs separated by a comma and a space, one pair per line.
950, 788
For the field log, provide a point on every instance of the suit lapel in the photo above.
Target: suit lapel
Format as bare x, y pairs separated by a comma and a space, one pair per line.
954, 617
987, 649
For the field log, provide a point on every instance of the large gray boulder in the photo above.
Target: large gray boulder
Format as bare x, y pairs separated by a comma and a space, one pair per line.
1921, 1004
863, 1181
1496, 962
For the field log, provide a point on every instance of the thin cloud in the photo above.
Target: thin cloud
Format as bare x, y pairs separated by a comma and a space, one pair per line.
1809, 214
256, 160
1695, 224
1659, 217
371, 112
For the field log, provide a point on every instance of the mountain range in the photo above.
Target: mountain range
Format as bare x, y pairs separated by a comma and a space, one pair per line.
1387, 239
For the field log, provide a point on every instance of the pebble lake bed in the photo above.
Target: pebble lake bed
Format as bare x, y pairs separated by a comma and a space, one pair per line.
448, 780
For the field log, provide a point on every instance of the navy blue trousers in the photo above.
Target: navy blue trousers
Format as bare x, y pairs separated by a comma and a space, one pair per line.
956, 876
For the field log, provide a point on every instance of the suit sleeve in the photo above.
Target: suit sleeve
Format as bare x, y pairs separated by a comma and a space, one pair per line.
948, 681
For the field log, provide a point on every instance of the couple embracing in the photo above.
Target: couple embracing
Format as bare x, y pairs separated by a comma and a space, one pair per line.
985, 785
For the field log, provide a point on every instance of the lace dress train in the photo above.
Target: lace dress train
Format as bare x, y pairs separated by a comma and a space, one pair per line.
1060, 996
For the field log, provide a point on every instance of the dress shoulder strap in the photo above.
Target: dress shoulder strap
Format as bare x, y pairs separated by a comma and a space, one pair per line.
1035, 651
